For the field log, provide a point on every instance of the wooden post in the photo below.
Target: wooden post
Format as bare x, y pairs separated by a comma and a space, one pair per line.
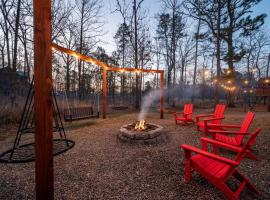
161, 95
104, 96
43, 100
268, 106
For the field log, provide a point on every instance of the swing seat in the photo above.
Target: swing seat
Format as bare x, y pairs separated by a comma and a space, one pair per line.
79, 113
120, 107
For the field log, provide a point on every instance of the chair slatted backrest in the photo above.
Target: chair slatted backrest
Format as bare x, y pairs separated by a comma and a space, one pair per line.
219, 112
245, 126
242, 154
188, 108
251, 140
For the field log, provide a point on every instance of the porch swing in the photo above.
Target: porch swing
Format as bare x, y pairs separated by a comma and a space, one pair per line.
78, 112
81, 112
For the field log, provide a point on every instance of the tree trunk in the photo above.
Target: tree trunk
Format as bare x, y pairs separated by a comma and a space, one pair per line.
7, 43
182, 71
257, 62
268, 66
68, 75
137, 100
113, 88
217, 92
248, 58
173, 46
230, 56
3, 57
81, 48
196, 60
16, 36
26, 59
123, 61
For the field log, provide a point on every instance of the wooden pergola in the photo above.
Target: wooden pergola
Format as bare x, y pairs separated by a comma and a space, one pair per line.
43, 95
106, 68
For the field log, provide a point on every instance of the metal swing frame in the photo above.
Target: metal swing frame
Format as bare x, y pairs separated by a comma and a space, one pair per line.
26, 126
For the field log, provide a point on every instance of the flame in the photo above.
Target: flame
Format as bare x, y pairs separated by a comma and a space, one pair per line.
140, 126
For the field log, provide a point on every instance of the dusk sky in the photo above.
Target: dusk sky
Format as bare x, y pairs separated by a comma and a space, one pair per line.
113, 19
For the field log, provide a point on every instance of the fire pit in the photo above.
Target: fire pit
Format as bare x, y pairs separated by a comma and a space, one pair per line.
141, 132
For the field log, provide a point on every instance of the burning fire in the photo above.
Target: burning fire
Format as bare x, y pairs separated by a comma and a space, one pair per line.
140, 126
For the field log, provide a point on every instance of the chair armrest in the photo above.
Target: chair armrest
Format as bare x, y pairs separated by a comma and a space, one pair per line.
206, 115
187, 113
209, 155
225, 126
205, 140
228, 132
206, 125
214, 118
177, 113
201, 116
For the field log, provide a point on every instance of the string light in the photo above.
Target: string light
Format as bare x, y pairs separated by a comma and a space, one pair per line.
228, 71
206, 73
246, 82
228, 88
267, 81
248, 91
53, 48
122, 71
229, 81
75, 55
137, 71
215, 81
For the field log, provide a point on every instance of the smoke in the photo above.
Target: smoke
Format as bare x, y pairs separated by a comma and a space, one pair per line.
154, 95
147, 100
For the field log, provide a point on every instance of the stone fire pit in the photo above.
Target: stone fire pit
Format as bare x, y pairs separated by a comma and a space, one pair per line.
151, 135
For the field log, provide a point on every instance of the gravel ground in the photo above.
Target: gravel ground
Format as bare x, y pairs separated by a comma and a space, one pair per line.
102, 167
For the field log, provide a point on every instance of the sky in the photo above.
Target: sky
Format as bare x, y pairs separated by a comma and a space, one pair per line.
113, 19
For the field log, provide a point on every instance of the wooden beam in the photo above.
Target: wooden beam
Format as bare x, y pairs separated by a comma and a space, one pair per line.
79, 56
43, 100
162, 95
134, 70
104, 96
100, 63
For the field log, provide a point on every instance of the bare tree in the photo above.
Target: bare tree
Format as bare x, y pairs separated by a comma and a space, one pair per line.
69, 39
210, 12
16, 35
196, 58
136, 6
88, 13
170, 30
6, 8
133, 16
268, 66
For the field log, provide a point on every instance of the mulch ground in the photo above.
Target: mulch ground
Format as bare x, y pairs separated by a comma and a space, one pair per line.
102, 167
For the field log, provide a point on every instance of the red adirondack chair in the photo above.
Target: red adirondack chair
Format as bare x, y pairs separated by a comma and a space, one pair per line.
185, 116
208, 119
239, 132
216, 169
